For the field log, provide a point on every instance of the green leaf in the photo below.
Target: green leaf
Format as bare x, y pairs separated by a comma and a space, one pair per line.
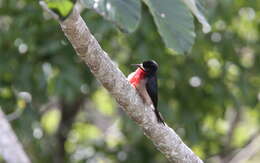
195, 7
174, 22
50, 120
61, 7
126, 14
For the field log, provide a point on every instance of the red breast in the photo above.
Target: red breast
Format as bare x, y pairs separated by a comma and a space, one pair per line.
139, 74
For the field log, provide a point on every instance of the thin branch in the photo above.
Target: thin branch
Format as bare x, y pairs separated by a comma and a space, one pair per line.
103, 68
10, 148
236, 154
235, 117
68, 114
248, 151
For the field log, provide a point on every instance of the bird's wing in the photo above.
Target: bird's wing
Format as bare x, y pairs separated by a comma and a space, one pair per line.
151, 87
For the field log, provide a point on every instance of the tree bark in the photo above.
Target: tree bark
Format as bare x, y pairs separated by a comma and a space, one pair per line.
10, 147
109, 75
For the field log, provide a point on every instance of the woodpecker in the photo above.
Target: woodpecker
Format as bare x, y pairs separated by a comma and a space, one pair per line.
144, 80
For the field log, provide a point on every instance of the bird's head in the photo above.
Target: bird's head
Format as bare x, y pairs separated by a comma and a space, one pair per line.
149, 67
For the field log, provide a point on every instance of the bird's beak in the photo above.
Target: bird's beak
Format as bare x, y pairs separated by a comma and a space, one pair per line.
138, 65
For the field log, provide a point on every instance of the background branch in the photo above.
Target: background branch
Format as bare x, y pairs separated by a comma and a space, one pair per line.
10, 147
248, 151
103, 68
68, 114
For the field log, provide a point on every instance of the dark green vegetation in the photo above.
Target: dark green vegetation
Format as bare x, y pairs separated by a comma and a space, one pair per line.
211, 96
173, 19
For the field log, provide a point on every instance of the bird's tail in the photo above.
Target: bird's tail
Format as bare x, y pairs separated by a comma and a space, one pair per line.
159, 117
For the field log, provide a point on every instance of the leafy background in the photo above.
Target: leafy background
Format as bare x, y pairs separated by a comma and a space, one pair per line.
210, 96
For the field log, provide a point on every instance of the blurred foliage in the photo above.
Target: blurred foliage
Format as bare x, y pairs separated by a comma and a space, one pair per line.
199, 94
104, 102
50, 120
173, 18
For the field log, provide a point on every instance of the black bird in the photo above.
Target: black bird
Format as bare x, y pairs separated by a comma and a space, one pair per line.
144, 79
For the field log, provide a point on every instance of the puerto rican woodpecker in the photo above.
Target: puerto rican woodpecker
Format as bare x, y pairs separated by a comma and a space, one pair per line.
144, 80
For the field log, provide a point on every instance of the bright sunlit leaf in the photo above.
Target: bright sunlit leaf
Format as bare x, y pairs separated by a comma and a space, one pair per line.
21, 104
5, 92
50, 120
61, 7
86, 131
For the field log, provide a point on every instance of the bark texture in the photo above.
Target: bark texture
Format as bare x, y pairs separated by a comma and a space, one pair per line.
10, 148
109, 75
